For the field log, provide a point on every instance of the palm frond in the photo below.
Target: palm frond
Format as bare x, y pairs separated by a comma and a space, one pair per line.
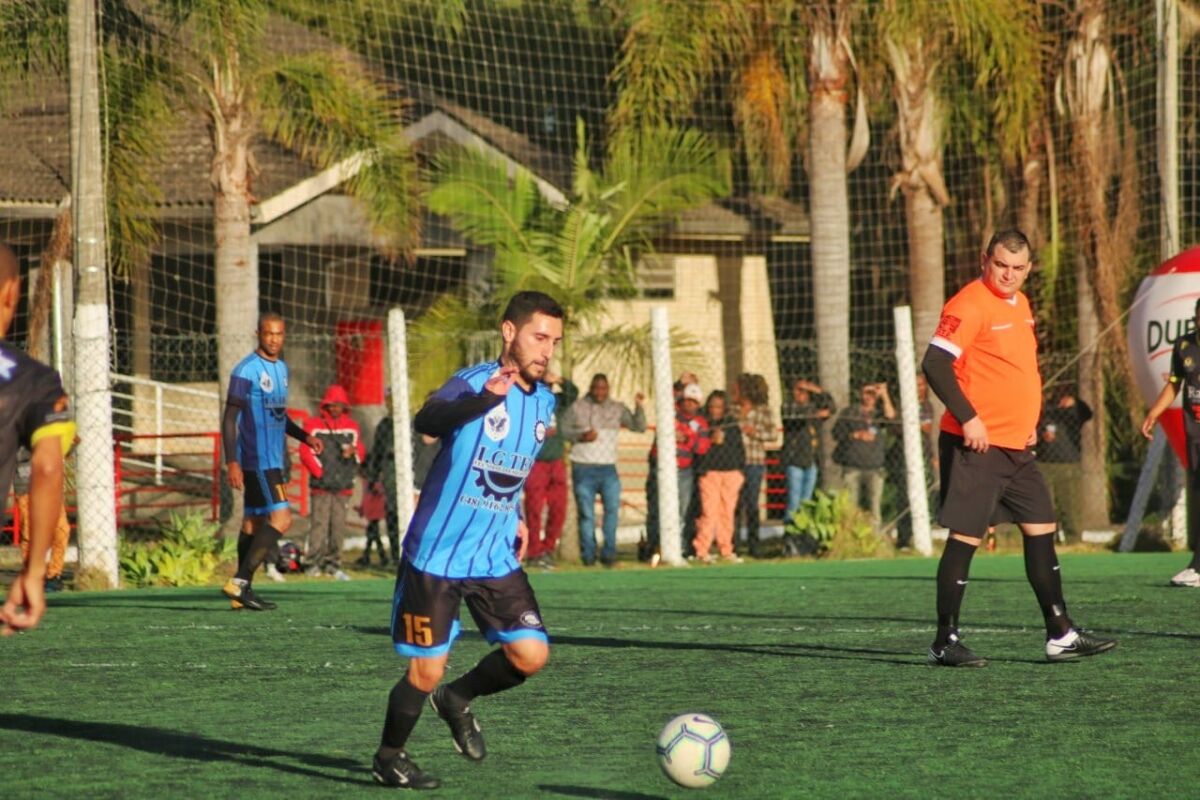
448, 335
325, 107
225, 33
672, 48
662, 171
628, 347
487, 204
33, 38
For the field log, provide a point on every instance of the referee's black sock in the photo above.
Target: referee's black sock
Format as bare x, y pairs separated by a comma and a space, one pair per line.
1041, 567
1195, 563
951, 584
243, 547
494, 673
261, 543
404, 709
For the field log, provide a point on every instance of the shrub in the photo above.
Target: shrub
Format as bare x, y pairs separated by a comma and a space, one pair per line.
827, 525
187, 553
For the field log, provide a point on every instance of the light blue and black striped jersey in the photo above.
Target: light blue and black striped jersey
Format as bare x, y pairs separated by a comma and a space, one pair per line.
465, 525
259, 387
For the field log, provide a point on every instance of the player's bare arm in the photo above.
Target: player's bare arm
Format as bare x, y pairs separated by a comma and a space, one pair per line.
26, 601
1161, 404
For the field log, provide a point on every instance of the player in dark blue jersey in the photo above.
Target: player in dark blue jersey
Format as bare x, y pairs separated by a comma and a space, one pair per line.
462, 542
33, 416
253, 432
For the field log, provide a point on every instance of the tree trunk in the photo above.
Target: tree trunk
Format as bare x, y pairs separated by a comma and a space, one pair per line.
235, 253
829, 212
926, 261
1033, 171
1093, 479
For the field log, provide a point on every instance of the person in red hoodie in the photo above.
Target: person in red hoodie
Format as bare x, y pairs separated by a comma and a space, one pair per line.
331, 480
692, 440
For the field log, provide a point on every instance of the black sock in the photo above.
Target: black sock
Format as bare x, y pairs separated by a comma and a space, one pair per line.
404, 709
951, 584
494, 673
243, 547
265, 538
1195, 563
1041, 567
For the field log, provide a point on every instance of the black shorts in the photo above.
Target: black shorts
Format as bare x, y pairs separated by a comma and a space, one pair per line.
425, 610
983, 489
266, 491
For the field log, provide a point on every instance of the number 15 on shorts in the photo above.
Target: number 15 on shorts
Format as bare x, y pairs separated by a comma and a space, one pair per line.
417, 630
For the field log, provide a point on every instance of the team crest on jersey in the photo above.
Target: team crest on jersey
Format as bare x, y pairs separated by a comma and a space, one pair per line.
496, 423
539, 431
1188, 362
500, 473
265, 383
7, 365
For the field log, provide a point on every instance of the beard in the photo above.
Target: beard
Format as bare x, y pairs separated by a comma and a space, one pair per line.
531, 370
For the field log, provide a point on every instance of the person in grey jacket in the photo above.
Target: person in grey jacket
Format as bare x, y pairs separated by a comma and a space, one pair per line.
592, 425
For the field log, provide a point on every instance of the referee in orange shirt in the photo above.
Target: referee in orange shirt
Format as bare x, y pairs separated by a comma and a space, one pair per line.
982, 364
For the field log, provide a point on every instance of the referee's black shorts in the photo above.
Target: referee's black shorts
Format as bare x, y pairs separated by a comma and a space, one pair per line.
983, 489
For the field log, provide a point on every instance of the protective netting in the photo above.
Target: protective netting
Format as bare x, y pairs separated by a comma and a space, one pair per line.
294, 165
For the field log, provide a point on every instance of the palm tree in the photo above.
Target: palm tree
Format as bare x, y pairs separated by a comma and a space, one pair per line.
998, 48
323, 105
776, 59
1103, 159
583, 253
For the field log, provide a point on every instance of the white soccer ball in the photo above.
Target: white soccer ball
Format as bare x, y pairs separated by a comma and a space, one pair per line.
693, 750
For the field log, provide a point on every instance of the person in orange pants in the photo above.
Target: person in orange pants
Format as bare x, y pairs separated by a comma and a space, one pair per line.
720, 481
62, 532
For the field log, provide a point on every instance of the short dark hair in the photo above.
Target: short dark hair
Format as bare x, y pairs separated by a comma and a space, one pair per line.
268, 316
599, 376
524, 305
1014, 241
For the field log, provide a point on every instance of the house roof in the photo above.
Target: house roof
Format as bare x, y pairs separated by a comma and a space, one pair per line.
35, 168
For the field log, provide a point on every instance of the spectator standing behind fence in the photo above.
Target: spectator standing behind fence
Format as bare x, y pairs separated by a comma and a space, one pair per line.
380, 469
719, 479
593, 425
546, 486
331, 480
758, 428
691, 441
1058, 456
861, 446
800, 457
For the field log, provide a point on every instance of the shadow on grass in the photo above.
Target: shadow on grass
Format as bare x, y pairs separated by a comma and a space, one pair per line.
796, 650
175, 744
601, 794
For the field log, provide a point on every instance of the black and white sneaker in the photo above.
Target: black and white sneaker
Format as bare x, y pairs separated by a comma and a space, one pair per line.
955, 654
468, 739
1077, 644
402, 772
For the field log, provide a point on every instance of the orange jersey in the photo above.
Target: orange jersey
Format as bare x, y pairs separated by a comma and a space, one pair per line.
995, 363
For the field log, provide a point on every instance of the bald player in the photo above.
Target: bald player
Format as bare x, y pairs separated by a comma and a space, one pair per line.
33, 415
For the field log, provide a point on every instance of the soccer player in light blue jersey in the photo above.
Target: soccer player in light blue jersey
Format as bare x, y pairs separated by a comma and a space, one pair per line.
462, 543
253, 432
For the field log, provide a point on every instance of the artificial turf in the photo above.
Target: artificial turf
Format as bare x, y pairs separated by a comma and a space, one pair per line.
817, 671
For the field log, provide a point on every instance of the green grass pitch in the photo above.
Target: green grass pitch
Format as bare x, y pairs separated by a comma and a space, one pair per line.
816, 670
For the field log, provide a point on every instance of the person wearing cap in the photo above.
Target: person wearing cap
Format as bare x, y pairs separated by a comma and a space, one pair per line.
592, 424
691, 441
331, 479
